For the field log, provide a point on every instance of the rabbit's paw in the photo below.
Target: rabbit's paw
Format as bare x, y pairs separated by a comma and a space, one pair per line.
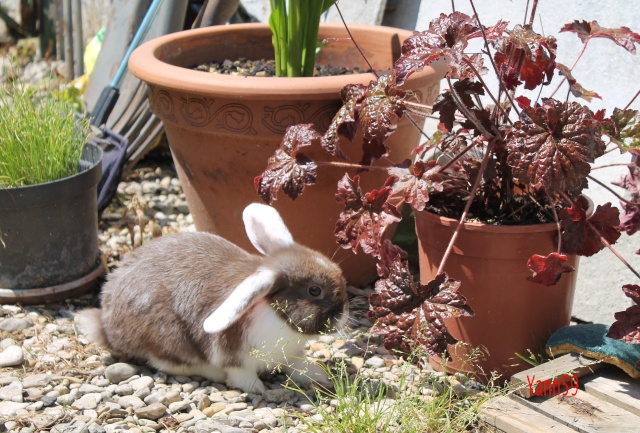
248, 381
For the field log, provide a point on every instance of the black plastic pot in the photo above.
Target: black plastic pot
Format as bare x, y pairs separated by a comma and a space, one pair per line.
49, 236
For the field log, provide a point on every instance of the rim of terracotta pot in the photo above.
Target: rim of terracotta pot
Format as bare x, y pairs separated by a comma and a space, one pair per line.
495, 228
160, 62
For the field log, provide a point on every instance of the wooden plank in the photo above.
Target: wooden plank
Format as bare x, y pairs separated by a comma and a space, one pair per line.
615, 387
502, 414
584, 413
527, 382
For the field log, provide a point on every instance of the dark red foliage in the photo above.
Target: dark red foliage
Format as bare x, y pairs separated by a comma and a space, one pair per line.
415, 183
410, 315
630, 218
553, 146
364, 218
389, 253
525, 56
581, 236
467, 91
345, 122
627, 324
523, 101
447, 37
576, 88
381, 108
548, 270
622, 36
287, 168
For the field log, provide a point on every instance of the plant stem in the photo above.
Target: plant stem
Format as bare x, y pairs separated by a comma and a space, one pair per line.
468, 114
620, 164
354, 41
533, 13
575, 62
632, 99
495, 101
457, 157
557, 220
486, 45
414, 123
349, 165
608, 188
613, 250
612, 149
425, 111
472, 194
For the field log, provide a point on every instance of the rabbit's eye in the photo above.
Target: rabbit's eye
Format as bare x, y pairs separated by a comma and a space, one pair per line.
315, 291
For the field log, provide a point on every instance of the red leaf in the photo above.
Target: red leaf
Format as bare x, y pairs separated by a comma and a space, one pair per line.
606, 220
553, 145
630, 219
409, 314
576, 89
622, 36
416, 184
548, 270
523, 102
446, 38
632, 291
627, 324
467, 90
344, 123
388, 254
525, 56
287, 168
578, 235
364, 219
379, 112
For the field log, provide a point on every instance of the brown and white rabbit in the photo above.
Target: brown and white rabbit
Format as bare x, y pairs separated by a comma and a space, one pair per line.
196, 304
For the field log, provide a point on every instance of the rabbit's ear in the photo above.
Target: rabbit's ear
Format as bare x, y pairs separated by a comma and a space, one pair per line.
265, 228
244, 296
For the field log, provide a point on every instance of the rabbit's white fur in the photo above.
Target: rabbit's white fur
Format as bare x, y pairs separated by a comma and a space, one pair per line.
150, 308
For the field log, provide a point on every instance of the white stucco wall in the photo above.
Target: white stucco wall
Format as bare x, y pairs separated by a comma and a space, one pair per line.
354, 11
606, 69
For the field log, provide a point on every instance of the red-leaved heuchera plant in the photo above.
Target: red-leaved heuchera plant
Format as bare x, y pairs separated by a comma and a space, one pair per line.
509, 161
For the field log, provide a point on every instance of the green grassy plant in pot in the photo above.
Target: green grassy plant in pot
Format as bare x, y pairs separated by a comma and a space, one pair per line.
496, 192
221, 128
294, 25
48, 198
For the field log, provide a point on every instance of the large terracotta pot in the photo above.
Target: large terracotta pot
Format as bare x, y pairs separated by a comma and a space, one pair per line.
512, 315
222, 129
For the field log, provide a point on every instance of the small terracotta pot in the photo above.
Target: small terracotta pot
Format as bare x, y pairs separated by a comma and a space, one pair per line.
512, 314
222, 129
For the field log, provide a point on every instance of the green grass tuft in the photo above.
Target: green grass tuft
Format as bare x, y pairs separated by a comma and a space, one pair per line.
41, 138
363, 404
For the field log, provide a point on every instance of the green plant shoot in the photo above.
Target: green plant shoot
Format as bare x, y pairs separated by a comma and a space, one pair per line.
41, 139
294, 25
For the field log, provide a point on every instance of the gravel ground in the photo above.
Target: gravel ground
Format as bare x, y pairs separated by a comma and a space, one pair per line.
52, 379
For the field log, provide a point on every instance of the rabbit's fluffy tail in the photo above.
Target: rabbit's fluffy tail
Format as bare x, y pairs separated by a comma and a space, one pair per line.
90, 324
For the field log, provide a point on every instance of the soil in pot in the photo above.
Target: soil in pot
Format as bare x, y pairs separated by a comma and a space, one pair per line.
267, 68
